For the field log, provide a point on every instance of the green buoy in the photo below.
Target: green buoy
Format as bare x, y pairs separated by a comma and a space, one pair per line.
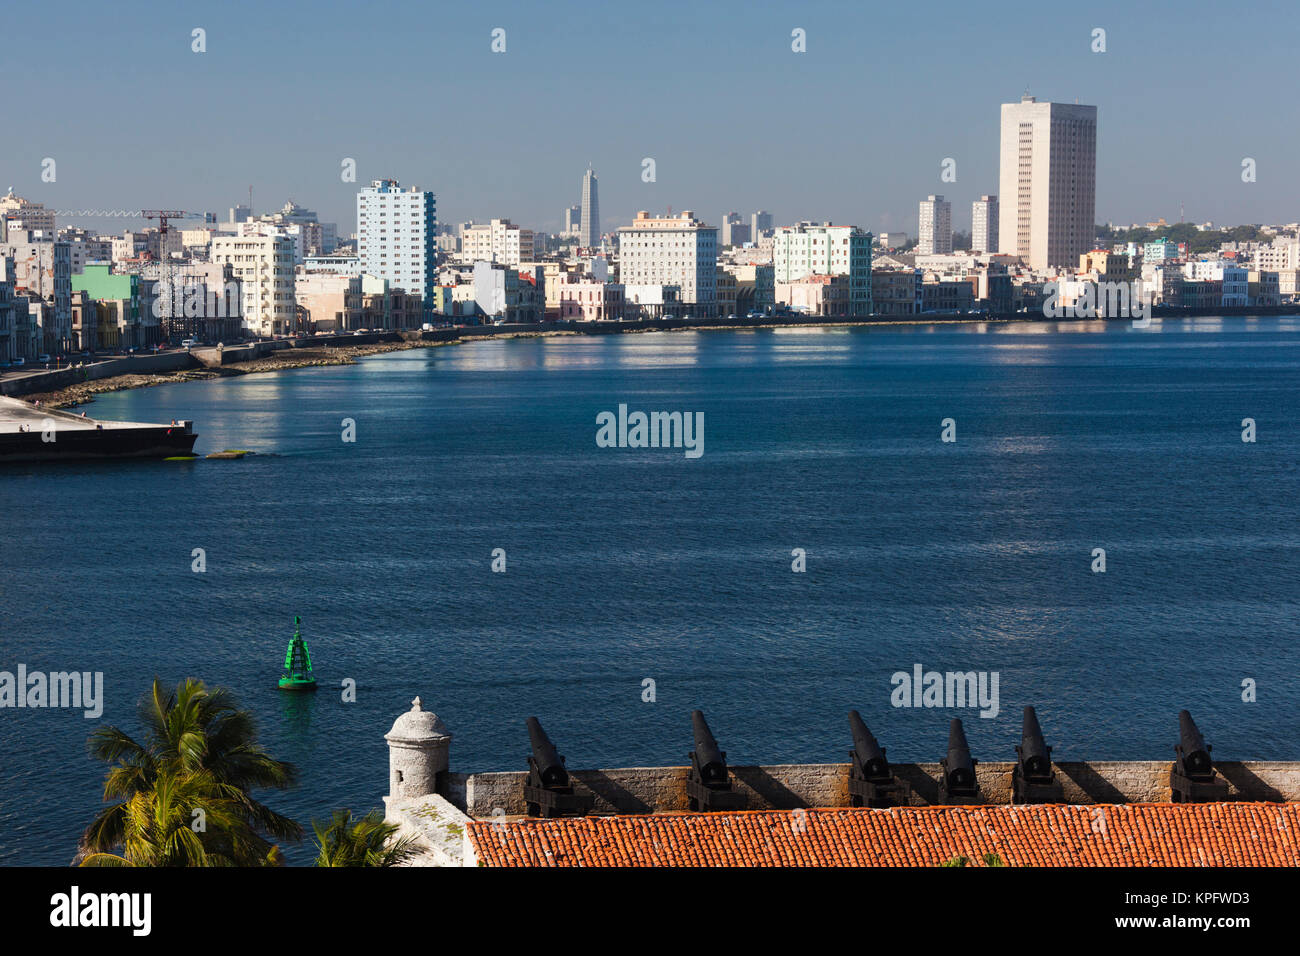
297, 663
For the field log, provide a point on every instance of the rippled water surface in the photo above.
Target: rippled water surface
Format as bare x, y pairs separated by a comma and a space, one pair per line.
626, 564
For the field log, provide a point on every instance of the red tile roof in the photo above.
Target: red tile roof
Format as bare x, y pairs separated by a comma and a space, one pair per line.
1210, 834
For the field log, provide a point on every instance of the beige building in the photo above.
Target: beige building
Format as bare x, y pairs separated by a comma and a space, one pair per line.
1047, 182
328, 302
676, 251
497, 241
264, 267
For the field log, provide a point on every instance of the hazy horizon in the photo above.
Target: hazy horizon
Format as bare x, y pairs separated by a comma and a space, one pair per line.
854, 130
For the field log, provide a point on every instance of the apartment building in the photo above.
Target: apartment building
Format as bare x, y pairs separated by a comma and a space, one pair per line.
397, 237
497, 241
808, 249
676, 251
984, 224
1047, 182
934, 234
264, 266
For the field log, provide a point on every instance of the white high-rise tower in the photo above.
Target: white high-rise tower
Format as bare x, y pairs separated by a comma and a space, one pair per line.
984, 224
589, 234
1047, 182
397, 236
935, 234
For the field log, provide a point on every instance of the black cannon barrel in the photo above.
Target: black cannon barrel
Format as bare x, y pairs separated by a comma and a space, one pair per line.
1035, 755
1192, 748
960, 768
868, 753
549, 762
707, 753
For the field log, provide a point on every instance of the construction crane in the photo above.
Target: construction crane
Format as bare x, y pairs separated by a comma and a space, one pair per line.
172, 319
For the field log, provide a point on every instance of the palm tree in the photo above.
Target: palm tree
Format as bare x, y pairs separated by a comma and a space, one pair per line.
160, 828
189, 731
363, 842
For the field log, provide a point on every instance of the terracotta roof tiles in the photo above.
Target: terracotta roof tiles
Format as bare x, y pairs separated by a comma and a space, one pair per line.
1208, 834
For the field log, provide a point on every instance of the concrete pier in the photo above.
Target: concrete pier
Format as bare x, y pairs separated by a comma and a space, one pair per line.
29, 433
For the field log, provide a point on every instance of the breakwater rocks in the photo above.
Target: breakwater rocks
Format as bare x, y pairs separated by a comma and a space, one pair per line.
81, 393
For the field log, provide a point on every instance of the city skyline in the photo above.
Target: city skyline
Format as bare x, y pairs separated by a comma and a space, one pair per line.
1151, 161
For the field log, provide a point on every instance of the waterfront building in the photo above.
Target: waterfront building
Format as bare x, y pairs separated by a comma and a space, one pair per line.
8, 304
1047, 182
896, 291
726, 286
120, 303
509, 295
43, 269
1264, 287
940, 294
1288, 283
676, 251
589, 229
816, 295
808, 249
209, 302
396, 236
389, 307
755, 286
1163, 282
652, 301
934, 235
1233, 279
264, 266
984, 224
497, 241
585, 299
328, 302
85, 321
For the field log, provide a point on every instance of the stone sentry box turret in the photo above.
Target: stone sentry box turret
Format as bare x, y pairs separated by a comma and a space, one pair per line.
418, 751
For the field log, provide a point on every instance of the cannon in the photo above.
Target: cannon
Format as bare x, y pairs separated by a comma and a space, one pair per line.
871, 782
548, 791
958, 783
1193, 778
708, 783
1032, 779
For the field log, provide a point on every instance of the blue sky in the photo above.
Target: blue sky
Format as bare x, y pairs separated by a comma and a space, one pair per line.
854, 130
